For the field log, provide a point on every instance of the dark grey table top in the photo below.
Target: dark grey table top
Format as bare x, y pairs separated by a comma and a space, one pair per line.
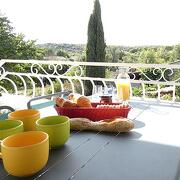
150, 152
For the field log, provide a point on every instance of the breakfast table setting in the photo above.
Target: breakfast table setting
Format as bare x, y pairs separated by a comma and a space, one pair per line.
74, 137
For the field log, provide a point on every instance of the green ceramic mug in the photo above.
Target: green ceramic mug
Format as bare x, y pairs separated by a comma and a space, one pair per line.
8, 127
58, 128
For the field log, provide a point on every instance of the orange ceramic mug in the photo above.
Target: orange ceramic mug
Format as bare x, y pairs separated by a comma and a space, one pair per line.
27, 116
26, 153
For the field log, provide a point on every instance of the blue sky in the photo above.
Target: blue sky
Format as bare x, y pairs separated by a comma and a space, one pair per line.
126, 22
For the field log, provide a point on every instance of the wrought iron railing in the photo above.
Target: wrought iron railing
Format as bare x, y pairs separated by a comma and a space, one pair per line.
35, 77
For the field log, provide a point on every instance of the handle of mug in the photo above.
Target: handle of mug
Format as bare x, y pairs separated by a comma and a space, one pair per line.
0, 150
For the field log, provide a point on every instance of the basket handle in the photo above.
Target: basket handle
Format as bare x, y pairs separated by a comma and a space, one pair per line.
45, 104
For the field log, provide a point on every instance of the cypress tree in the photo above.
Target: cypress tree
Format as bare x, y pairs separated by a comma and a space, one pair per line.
95, 49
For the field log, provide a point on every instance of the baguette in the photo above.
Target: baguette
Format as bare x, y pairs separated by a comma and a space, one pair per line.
108, 125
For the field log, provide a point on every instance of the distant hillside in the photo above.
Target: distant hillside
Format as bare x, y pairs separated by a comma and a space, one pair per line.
127, 54
71, 48
79, 48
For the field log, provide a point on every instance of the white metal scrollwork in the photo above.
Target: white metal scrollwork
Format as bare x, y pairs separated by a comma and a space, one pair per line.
45, 77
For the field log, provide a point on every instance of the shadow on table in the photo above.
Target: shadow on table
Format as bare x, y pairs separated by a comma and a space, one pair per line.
125, 155
3, 173
138, 124
130, 135
134, 159
123, 135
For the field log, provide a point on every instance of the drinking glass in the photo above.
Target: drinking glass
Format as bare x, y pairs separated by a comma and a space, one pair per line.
96, 92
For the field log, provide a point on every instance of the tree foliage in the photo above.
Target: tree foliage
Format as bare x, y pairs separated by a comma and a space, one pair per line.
62, 53
95, 49
13, 46
6, 38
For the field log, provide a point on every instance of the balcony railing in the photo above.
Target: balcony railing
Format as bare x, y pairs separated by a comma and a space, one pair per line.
34, 77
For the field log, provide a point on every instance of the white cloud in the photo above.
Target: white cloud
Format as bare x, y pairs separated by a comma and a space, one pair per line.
126, 22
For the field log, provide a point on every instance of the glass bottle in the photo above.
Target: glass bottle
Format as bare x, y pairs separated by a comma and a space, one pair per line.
123, 85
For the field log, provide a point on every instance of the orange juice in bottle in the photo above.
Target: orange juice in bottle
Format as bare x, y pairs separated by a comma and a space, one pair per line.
123, 85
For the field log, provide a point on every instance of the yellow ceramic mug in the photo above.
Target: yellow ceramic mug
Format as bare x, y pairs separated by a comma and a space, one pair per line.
27, 116
26, 153
8, 127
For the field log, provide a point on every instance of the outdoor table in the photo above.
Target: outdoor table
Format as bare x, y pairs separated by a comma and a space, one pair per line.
151, 151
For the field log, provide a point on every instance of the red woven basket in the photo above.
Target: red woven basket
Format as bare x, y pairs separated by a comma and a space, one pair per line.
94, 113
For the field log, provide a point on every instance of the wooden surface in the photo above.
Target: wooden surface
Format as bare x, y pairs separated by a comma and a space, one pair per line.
150, 152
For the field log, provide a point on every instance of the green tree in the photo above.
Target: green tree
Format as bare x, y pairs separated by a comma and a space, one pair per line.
95, 49
49, 52
176, 52
148, 56
160, 55
26, 49
13, 46
114, 53
63, 53
6, 38
121, 55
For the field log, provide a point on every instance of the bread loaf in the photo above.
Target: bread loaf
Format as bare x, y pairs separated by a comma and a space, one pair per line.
110, 125
59, 101
69, 104
73, 97
83, 101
